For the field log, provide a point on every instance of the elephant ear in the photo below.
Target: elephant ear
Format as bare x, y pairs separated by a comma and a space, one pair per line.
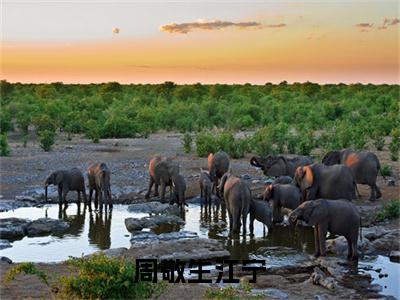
221, 185
285, 162
298, 176
331, 158
268, 193
316, 214
308, 178
254, 161
209, 161
58, 177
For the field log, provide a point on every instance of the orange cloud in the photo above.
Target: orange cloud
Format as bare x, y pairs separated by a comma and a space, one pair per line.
184, 28
276, 25
364, 25
389, 22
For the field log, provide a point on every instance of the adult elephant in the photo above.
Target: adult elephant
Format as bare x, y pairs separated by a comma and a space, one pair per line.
67, 180
364, 165
161, 170
279, 165
218, 165
329, 182
237, 198
99, 181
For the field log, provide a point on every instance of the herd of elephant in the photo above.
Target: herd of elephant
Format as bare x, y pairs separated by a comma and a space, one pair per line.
319, 194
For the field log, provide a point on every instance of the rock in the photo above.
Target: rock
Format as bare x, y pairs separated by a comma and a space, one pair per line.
154, 207
388, 242
318, 277
339, 246
45, 226
11, 228
394, 256
183, 249
245, 177
115, 252
391, 182
375, 288
25, 198
276, 294
255, 181
133, 224
152, 238
6, 205
4, 244
5, 259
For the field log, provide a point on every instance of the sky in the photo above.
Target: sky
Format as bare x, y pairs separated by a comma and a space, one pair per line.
194, 41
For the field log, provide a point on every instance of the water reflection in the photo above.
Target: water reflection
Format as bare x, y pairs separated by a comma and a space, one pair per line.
100, 229
76, 222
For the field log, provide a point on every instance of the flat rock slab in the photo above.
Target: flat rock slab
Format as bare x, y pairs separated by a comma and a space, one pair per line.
134, 224
6, 205
13, 228
152, 238
154, 207
45, 226
394, 256
4, 244
183, 249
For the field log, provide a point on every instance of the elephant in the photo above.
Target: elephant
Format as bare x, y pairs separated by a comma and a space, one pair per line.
260, 211
67, 180
179, 189
99, 181
218, 165
280, 165
330, 182
283, 180
339, 217
364, 165
237, 197
205, 186
282, 195
161, 170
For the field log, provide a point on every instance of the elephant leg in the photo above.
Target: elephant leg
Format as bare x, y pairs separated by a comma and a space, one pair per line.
244, 221
96, 198
372, 197
349, 248
60, 197
235, 220
64, 196
378, 191
316, 241
149, 189
90, 194
100, 192
230, 220
163, 187
79, 197
252, 222
201, 193
355, 248
322, 231
156, 185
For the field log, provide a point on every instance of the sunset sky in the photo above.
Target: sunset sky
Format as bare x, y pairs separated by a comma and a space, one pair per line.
200, 41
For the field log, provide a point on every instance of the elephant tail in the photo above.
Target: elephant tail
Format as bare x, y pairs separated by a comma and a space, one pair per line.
380, 169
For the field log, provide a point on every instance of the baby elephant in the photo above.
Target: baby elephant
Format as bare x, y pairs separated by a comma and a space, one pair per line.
205, 186
260, 211
237, 197
336, 216
67, 180
179, 189
99, 181
282, 195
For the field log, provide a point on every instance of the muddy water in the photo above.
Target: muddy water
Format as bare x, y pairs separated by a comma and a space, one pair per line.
89, 232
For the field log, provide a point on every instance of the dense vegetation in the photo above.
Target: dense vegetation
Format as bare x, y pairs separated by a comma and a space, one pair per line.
293, 118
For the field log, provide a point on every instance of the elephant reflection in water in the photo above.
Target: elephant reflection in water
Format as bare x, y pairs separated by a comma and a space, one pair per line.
76, 222
214, 218
100, 229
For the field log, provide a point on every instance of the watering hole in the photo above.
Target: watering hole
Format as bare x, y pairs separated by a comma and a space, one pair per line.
92, 231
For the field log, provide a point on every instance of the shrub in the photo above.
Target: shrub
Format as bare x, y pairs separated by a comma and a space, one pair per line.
5, 121
386, 170
187, 140
26, 268
205, 144
100, 277
262, 142
390, 210
378, 140
306, 143
25, 140
92, 131
4, 148
46, 139
394, 145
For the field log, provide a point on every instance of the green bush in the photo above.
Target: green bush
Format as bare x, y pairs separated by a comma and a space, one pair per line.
386, 170
5, 121
46, 139
394, 145
390, 210
205, 144
187, 140
262, 142
100, 277
4, 148
92, 131
378, 140
26, 268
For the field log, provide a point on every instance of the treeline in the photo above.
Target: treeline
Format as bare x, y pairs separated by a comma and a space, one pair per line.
336, 115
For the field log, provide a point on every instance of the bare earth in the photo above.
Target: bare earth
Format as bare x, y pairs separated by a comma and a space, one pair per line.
27, 168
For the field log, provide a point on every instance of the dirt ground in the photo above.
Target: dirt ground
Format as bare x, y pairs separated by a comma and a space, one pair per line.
27, 168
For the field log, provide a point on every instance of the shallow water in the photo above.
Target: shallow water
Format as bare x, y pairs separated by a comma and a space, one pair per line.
90, 232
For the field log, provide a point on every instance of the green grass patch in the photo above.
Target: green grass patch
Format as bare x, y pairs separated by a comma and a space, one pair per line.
390, 210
